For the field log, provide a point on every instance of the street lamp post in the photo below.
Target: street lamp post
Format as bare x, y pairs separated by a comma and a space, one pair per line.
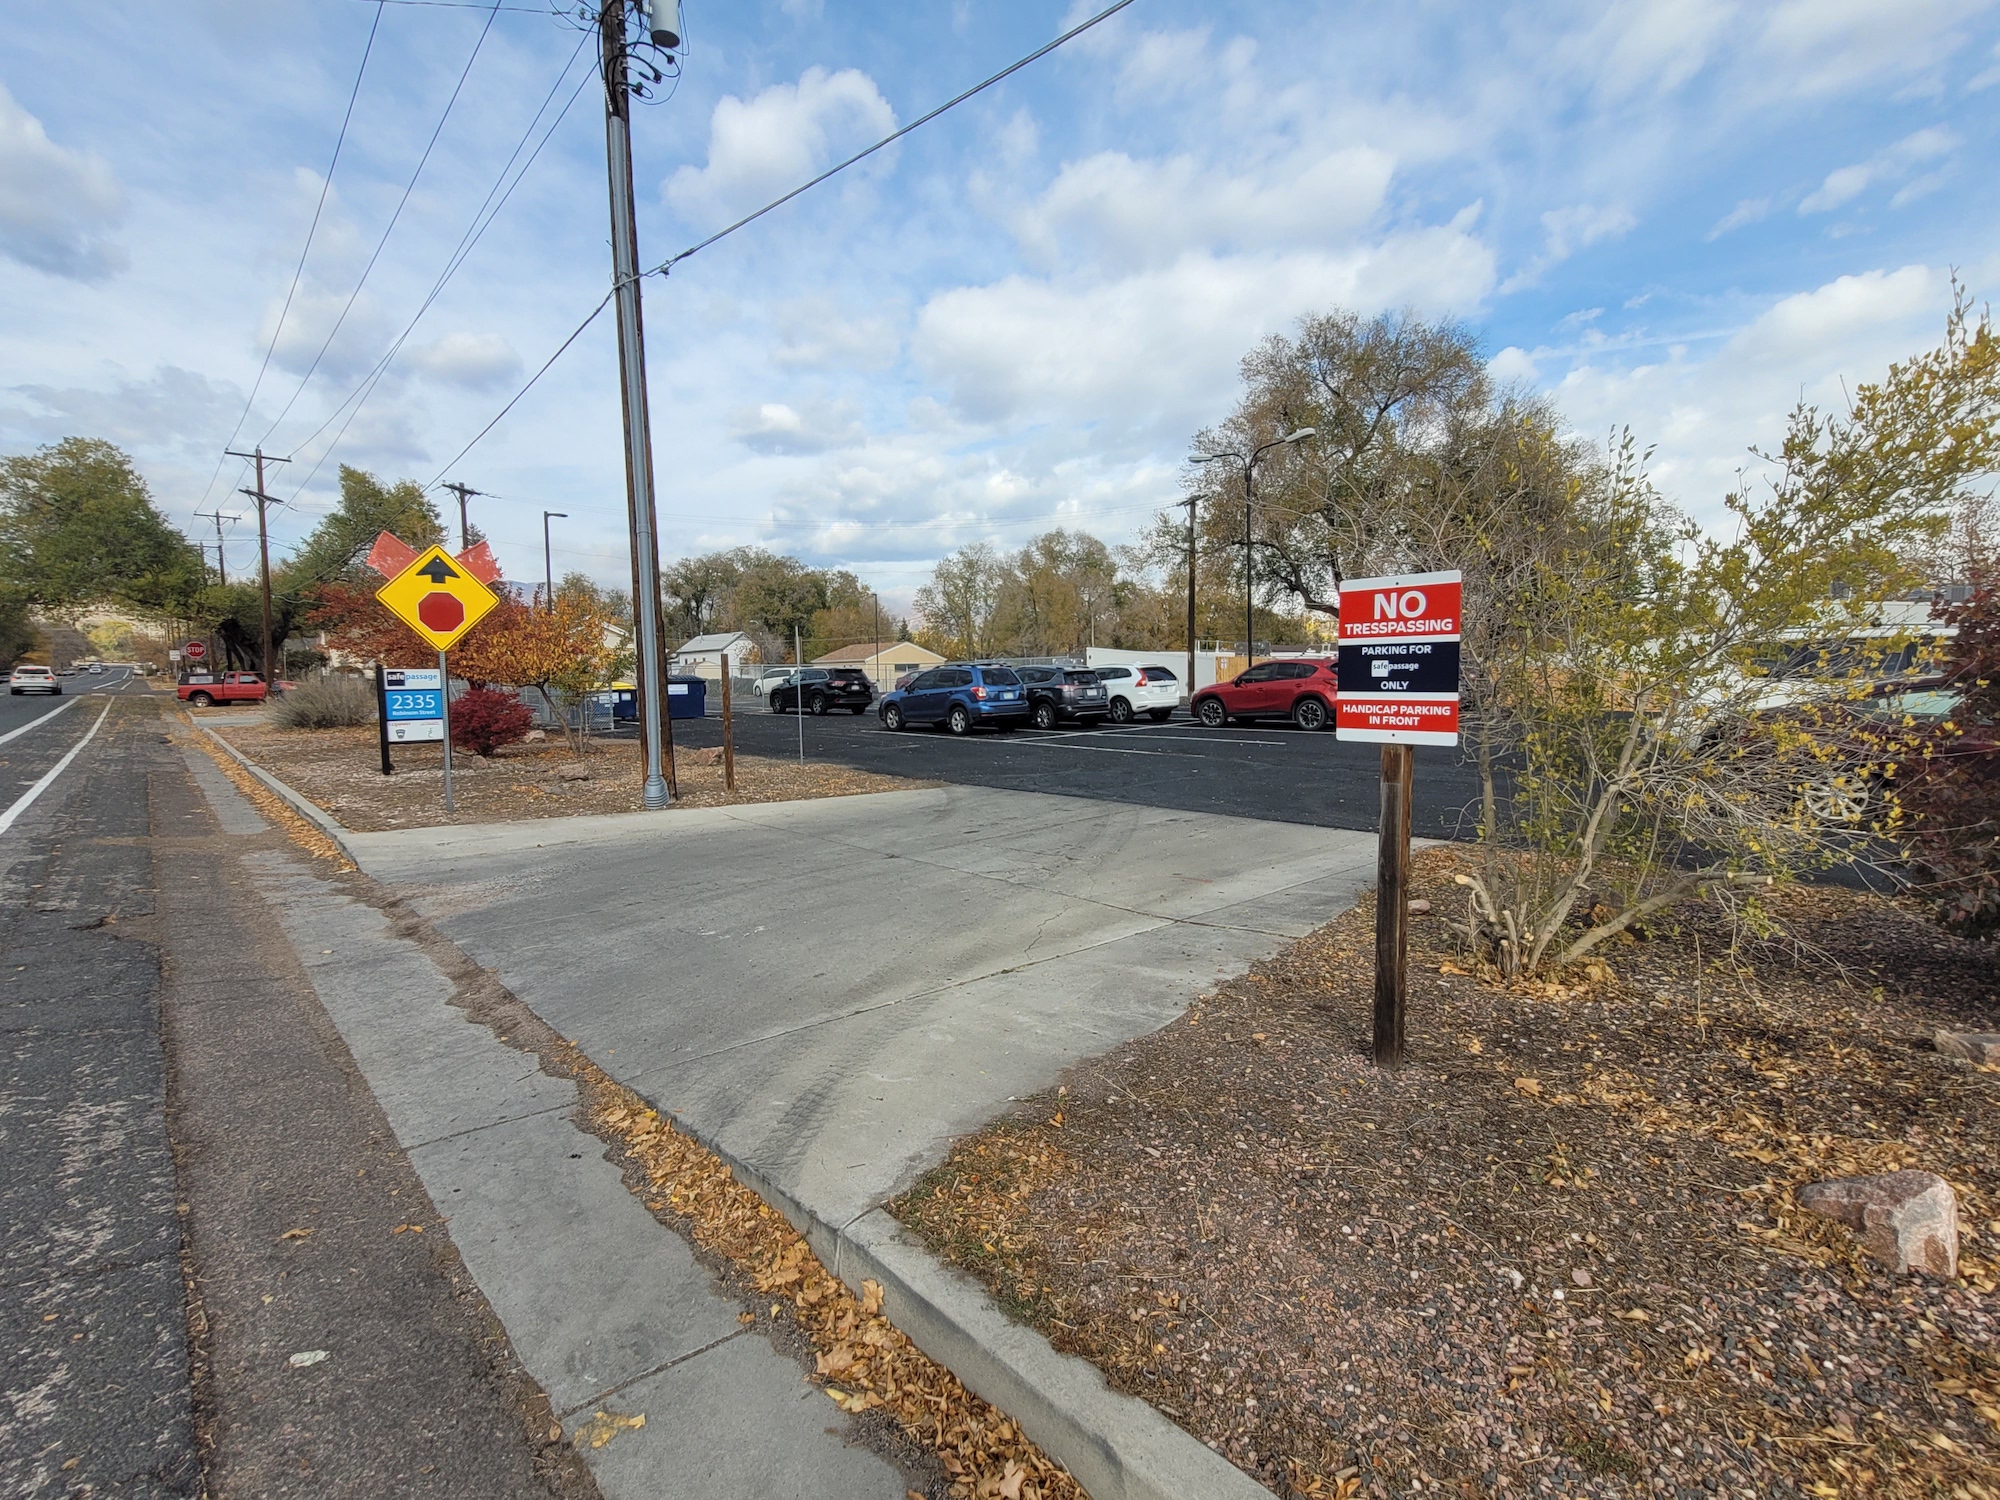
1297, 435
548, 566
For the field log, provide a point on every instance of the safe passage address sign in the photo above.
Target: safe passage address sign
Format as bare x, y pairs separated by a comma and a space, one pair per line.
1398, 666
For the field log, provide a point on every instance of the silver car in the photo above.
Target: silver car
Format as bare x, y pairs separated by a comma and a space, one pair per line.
26, 679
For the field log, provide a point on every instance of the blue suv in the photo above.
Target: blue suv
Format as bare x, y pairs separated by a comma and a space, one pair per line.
959, 695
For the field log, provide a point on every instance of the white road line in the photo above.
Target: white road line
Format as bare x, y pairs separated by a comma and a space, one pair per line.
32, 723
27, 798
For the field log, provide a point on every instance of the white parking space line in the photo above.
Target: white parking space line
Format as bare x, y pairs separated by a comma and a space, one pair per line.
1155, 734
27, 798
33, 723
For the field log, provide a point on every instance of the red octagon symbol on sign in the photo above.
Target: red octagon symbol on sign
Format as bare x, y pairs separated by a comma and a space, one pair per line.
441, 612
195, 650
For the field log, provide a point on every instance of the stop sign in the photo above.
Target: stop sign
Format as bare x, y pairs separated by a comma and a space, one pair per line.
195, 650
441, 611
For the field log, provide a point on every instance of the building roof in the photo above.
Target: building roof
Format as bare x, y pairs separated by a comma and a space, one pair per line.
869, 651
720, 642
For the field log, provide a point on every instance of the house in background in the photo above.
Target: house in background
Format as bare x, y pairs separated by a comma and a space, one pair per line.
883, 664
702, 656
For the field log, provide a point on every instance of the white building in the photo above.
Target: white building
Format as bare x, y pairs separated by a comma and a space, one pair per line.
702, 656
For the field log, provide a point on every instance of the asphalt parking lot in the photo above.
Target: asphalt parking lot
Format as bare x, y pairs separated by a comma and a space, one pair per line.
1268, 771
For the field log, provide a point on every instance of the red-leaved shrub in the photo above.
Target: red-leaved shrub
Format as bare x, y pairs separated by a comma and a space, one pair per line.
483, 720
1951, 790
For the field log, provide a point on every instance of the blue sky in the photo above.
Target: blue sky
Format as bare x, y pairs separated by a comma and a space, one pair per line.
1678, 216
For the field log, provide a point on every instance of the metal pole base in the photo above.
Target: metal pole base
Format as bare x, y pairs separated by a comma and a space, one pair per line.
655, 795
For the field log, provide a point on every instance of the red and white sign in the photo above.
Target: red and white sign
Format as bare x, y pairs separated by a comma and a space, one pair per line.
1398, 671
195, 650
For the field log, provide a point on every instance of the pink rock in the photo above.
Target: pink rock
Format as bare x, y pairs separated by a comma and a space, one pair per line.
1907, 1220
1981, 1047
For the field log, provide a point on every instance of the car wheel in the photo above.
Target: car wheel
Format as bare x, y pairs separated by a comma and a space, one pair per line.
817, 704
1309, 714
1045, 715
892, 717
1121, 711
1212, 713
959, 720
201, 700
1159, 715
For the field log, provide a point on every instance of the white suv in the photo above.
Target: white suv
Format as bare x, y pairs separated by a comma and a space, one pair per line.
1150, 690
26, 679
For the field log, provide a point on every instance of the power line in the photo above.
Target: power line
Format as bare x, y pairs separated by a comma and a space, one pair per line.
1040, 52
326, 186
667, 265
475, 231
390, 228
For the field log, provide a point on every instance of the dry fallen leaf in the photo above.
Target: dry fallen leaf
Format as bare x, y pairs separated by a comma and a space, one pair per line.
604, 1426
1528, 1085
296, 1234
408, 1229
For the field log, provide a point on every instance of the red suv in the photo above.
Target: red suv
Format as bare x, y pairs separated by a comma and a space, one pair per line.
1302, 691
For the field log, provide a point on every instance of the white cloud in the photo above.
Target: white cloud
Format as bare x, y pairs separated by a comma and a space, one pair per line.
1747, 211
57, 206
477, 361
775, 427
1706, 403
358, 333
1149, 212
1565, 231
1892, 164
1819, 46
1155, 352
172, 409
761, 147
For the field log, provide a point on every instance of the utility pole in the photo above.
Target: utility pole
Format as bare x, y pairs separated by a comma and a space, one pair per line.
1190, 504
548, 566
221, 570
612, 19
464, 492
264, 502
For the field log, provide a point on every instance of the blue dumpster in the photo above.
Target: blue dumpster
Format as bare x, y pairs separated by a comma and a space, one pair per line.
687, 697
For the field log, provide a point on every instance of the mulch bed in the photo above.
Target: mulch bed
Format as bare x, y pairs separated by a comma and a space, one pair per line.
1557, 1253
340, 770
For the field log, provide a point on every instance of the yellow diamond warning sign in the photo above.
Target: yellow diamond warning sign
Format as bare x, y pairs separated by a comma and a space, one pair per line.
437, 598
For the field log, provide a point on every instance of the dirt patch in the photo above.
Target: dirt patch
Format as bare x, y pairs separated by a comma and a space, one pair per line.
1558, 1252
340, 770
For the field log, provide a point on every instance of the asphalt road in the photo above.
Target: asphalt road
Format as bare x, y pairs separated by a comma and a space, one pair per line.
1269, 771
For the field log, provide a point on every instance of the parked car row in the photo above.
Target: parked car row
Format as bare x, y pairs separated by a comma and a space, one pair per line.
960, 696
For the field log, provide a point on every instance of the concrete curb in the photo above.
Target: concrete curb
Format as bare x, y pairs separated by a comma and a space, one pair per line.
1117, 1446
314, 815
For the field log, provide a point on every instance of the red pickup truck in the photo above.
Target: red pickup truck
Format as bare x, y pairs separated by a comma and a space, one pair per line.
204, 689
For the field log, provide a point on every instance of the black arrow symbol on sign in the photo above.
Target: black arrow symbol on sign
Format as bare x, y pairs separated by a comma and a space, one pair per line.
437, 570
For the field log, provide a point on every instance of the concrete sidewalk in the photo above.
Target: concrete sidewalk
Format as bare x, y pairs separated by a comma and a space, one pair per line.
605, 1308
831, 991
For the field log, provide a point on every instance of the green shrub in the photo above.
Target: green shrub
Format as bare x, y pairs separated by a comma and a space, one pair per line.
330, 703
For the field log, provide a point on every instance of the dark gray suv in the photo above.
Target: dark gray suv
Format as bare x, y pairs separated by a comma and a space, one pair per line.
1058, 693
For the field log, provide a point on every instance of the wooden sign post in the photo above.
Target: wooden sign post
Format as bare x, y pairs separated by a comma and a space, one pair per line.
1398, 679
728, 732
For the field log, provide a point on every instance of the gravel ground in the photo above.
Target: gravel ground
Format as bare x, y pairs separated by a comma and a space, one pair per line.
1558, 1252
340, 770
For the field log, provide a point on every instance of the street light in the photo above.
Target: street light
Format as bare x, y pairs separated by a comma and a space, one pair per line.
1297, 435
548, 567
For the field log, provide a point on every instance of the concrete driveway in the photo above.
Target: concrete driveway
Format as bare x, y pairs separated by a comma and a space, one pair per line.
833, 990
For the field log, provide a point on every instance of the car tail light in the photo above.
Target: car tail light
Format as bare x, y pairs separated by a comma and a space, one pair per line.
1140, 681
979, 693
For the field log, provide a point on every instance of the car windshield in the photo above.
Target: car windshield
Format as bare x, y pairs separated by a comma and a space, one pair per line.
1000, 677
1086, 678
846, 674
1160, 674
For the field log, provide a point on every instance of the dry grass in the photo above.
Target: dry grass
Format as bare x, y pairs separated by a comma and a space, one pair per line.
340, 771
1558, 1253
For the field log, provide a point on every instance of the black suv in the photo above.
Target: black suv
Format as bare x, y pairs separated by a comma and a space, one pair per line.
824, 689
1058, 693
